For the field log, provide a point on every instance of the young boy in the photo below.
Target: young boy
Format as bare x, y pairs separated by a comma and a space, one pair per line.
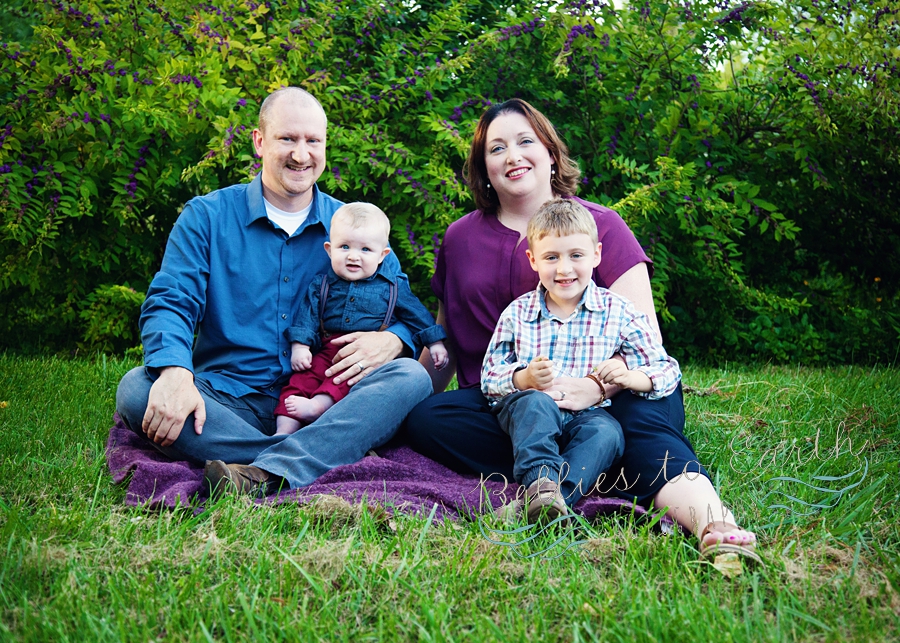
357, 294
567, 328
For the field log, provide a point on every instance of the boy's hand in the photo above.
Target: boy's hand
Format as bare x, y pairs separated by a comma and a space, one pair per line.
613, 371
538, 375
439, 355
301, 357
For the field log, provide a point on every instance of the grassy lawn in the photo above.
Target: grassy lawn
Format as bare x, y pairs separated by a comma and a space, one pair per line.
809, 458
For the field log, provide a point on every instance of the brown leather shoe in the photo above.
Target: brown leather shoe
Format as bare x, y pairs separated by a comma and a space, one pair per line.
544, 502
242, 479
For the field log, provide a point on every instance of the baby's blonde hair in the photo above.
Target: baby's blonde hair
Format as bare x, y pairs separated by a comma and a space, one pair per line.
561, 218
359, 214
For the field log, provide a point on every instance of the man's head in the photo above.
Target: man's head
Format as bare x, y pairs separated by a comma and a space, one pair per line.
358, 240
291, 141
563, 250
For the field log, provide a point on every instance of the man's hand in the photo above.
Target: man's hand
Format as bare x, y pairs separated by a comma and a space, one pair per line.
538, 375
301, 356
173, 397
363, 353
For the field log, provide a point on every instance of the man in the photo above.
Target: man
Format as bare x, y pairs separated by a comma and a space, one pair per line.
236, 267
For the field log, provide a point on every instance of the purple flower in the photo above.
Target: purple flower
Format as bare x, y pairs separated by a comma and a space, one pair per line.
241, 102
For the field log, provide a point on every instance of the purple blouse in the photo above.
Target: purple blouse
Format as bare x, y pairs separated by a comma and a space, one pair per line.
482, 268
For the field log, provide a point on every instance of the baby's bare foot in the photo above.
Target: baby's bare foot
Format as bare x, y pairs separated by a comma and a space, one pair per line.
304, 409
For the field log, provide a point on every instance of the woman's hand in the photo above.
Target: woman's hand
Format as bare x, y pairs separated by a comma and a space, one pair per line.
574, 393
362, 354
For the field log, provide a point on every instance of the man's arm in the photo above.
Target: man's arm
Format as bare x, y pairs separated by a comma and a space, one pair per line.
174, 303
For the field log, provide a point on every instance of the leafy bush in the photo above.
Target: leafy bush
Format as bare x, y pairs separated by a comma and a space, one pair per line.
752, 148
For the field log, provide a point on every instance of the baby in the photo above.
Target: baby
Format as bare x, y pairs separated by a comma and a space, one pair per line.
359, 293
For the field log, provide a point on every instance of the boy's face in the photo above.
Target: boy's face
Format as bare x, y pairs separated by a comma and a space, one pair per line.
356, 253
564, 266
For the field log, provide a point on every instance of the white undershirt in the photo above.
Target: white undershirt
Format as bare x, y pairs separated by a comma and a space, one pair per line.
287, 221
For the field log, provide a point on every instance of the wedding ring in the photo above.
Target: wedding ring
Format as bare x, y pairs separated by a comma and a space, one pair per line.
562, 395
361, 367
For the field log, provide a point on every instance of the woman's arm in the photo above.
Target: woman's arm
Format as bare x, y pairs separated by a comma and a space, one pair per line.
634, 285
440, 379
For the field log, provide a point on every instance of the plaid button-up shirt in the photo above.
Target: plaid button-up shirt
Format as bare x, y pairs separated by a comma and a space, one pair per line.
603, 324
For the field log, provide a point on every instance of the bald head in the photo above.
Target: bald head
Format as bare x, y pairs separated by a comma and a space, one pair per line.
300, 97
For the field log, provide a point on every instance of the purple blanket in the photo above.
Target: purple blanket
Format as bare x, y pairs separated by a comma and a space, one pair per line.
398, 478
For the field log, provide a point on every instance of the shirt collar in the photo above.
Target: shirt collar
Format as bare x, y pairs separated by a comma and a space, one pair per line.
537, 305
256, 207
385, 271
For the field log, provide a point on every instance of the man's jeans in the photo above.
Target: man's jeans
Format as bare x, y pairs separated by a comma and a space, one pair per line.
572, 449
241, 429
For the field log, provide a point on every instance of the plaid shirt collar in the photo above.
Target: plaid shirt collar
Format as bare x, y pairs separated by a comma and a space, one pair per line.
537, 305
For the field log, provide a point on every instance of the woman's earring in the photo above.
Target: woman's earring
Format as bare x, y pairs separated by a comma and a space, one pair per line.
488, 186
553, 170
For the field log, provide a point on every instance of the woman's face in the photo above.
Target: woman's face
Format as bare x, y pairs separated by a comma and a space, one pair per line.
518, 164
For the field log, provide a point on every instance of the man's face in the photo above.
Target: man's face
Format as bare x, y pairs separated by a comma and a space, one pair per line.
293, 152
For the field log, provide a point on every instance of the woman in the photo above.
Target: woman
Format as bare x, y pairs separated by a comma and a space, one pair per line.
516, 163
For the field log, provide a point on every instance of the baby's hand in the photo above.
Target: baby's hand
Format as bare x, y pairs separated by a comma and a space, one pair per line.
439, 355
540, 373
301, 357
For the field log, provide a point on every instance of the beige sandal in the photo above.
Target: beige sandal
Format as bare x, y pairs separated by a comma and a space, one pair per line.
709, 552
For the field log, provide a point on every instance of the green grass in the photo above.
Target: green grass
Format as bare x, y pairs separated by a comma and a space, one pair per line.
77, 564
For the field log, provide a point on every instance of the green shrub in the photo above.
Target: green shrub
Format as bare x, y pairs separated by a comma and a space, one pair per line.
752, 148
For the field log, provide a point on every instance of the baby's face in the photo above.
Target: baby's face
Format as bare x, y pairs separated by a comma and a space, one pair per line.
356, 253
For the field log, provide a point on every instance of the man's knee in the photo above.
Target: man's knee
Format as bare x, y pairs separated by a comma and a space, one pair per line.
410, 377
132, 395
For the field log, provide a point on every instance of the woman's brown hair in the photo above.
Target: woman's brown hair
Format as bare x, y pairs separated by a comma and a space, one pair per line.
564, 182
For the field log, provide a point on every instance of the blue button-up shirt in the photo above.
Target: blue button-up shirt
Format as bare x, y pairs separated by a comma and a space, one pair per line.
237, 280
361, 306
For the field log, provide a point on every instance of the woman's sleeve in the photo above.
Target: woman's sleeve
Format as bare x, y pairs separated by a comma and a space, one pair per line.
621, 250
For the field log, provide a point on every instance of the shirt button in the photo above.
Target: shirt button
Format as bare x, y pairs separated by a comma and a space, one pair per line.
286, 279
284, 316
284, 352
271, 388
353, 299
347, 319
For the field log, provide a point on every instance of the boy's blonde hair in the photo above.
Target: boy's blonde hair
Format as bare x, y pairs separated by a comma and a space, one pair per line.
561, 218
359, 214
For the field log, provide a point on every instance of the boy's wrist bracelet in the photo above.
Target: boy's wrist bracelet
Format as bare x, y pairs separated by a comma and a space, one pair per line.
596, 379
